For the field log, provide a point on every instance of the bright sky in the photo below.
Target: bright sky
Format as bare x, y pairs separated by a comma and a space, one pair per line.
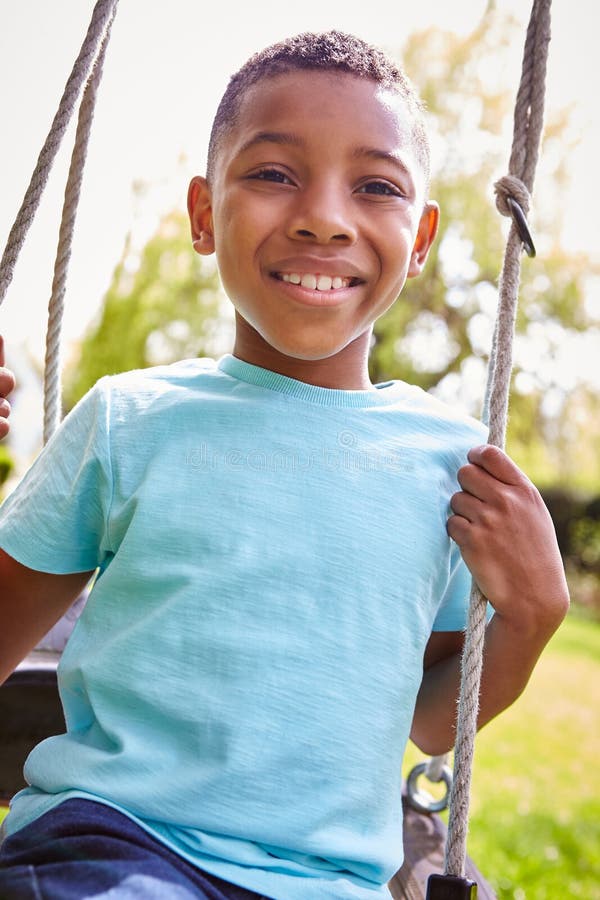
166, 68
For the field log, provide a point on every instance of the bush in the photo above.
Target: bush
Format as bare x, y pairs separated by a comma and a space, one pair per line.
6, 465
577, 523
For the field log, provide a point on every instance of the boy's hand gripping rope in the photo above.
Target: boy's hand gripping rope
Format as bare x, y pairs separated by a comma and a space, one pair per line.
511, 191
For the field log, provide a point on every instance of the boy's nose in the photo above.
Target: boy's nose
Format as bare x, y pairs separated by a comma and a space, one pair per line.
322, 220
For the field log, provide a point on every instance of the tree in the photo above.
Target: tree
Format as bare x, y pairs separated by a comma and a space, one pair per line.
162, 305
438, 334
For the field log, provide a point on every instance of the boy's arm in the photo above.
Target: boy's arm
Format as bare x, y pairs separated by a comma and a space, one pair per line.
30, 604
507, 540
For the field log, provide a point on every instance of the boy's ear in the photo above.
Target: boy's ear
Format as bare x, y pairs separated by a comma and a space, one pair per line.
200, 212
426, 232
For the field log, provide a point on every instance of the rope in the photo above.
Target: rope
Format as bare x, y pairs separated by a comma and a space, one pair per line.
528, 120
103, 12
52, 377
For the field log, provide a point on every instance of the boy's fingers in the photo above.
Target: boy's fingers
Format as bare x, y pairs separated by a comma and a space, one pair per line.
7, 378
4, 414
466, 505
7, 382
497, 463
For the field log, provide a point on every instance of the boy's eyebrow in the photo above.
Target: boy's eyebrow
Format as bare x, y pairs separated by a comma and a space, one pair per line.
385, 155
272, 137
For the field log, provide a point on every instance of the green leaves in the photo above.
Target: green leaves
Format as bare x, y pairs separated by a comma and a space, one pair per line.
469, 84
163, 304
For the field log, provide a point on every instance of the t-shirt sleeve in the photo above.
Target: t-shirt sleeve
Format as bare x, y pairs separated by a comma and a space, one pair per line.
56, 519
453, 611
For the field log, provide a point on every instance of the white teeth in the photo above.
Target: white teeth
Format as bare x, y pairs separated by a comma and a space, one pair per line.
316, 282
309, 281
324, 283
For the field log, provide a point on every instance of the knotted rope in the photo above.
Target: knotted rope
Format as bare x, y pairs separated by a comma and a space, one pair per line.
528, 120
97, 36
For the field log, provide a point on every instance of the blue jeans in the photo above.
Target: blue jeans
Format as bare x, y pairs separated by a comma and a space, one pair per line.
84, 849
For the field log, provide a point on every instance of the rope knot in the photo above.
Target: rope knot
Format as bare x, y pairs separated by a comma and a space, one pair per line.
511, 186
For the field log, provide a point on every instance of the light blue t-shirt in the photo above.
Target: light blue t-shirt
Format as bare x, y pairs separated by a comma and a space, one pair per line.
273, 558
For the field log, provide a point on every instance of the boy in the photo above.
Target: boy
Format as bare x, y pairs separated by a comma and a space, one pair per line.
278, 601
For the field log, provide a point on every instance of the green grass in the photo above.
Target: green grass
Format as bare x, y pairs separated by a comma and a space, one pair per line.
535, 824
535, 812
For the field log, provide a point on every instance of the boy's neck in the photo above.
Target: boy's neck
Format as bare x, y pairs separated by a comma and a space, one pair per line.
346, 370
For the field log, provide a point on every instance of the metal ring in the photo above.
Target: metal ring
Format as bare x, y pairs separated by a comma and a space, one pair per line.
518, 217
421, 801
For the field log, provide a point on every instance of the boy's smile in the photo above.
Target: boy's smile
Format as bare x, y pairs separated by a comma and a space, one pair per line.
317, 214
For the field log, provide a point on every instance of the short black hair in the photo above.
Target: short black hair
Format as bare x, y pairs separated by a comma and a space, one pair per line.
331, 51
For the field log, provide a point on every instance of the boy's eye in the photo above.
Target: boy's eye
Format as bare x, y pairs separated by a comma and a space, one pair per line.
271, 175
380, 188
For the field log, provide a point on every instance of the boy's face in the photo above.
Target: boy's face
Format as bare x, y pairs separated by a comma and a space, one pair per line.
318, 182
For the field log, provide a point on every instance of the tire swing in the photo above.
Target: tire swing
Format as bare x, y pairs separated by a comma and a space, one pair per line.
30, 708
